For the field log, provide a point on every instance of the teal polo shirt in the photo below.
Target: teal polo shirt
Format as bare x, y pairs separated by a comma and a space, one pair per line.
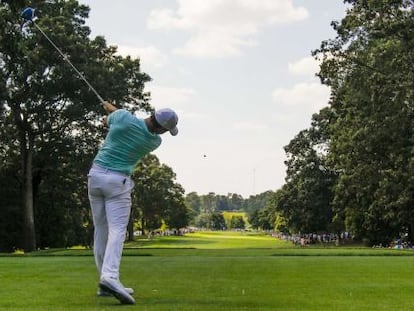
127, 142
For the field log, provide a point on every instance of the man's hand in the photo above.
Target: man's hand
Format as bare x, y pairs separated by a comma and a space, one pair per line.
109, 107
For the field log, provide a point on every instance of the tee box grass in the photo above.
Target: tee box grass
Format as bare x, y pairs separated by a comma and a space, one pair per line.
215, 271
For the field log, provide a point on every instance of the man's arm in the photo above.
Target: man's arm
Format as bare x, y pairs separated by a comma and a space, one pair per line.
108, 108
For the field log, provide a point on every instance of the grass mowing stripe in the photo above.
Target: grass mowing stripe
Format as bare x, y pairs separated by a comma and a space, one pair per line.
231, 282
215, 271
212, 240
303, 283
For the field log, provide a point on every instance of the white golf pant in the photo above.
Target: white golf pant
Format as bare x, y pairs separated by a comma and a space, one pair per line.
110, 199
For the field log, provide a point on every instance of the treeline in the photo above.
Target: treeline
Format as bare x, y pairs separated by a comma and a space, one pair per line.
50, 130
206, 211
353, 169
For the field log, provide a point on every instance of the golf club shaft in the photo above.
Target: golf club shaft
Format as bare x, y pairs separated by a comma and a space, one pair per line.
70, 63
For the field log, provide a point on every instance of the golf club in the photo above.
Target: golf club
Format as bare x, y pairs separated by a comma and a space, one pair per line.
28, 15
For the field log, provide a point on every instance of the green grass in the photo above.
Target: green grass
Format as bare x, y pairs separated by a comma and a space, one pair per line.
215, 271
212, 240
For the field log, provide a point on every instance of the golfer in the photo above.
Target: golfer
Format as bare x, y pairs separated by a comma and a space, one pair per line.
128, 140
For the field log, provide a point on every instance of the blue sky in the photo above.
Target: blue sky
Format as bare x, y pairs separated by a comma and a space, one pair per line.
238, 72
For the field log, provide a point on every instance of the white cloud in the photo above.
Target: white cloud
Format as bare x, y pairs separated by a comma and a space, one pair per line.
169, 96
149, 55
221, 28
312, 95
213, 44
307, 66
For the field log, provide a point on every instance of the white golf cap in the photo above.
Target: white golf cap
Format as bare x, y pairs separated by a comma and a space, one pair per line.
168, 119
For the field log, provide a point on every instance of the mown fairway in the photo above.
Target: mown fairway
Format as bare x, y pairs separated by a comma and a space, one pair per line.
198, 276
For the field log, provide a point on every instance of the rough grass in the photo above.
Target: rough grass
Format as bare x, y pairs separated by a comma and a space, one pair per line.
191, 275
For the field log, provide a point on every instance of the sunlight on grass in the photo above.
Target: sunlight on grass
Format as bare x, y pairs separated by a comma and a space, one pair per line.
222, 271
78, 247
18, 252
212, 240
213, 280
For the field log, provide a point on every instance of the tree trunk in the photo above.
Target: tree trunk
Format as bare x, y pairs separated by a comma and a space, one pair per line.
131, 229
28, 214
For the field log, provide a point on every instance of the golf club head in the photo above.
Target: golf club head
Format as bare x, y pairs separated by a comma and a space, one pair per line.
27, 14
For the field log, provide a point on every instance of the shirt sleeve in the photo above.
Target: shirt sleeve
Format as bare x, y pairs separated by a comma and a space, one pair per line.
116, 116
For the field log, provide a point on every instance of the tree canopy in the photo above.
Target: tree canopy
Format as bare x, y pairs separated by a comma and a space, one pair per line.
362, 180
157, 198
49, 118
351, 170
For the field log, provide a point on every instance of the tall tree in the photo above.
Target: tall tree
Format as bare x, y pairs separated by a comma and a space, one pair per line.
193, 203
47, 107
217, 221
307, 194
369, 68
237, 222
157, 197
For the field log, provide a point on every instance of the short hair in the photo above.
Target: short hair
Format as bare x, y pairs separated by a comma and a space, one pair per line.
155, 122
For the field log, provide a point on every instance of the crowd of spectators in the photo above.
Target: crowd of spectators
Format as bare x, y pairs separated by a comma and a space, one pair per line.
397, 244
336, 239
315, 238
